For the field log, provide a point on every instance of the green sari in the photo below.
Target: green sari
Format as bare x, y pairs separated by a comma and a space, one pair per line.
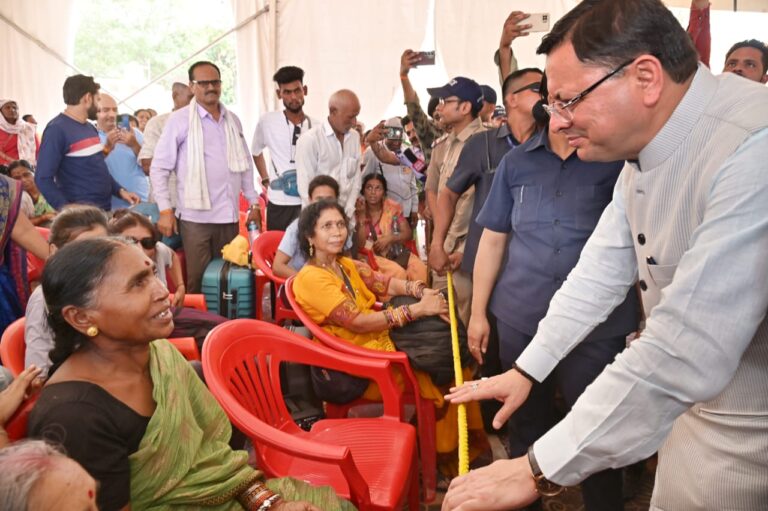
184, 460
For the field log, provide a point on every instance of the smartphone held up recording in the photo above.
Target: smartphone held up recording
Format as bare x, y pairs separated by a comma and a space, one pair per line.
123, 122
426, 58
539, 22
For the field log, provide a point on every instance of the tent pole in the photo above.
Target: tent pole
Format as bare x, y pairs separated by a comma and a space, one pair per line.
273, 30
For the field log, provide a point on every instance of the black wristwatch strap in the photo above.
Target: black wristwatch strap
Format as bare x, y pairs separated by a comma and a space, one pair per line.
526, 375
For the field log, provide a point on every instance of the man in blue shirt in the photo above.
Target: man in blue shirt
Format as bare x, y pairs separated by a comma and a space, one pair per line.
122, 146
70, 166
543, 206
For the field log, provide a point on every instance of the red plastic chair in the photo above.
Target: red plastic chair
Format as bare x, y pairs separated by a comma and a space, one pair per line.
187, 346
264, 250
34, 263
370, 461
425, 409
16, 427
12, 347
193, 301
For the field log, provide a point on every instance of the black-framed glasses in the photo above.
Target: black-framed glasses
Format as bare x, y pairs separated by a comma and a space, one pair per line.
207, 83
535, 87
563, 110
443, 101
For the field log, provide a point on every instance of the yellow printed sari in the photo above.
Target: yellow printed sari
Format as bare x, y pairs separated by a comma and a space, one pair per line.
321, 292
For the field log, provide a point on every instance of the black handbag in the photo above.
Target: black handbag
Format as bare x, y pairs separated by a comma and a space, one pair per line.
335, 386
427, 342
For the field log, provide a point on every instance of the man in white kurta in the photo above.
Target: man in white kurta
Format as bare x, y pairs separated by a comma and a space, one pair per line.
688, 224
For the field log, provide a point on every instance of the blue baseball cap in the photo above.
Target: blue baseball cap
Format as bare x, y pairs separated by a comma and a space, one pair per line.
463, 88
489, 95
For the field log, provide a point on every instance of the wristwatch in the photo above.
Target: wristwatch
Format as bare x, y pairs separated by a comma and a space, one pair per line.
544, 486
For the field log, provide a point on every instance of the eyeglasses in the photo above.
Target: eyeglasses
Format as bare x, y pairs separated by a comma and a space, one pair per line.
207, 83
535, 87
443, 101
341, 225
146, 243
563, 110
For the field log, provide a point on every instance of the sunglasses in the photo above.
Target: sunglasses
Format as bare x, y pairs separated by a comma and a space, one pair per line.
534, 87
146, 243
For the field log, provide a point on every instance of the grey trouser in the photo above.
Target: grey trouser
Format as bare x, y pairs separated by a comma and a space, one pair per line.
202, 243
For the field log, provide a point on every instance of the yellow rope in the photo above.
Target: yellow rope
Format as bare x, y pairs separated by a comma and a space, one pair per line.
463, 435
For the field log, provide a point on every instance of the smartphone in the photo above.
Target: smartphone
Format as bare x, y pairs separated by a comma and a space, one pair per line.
427, 58
539, 22
123, 122
394, 133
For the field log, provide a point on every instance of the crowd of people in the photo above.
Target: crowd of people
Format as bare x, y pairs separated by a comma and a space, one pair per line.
605, 232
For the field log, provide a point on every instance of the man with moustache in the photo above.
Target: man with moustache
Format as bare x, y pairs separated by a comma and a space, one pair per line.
71, 166
203, 145
279, 132
332, 148
121, 147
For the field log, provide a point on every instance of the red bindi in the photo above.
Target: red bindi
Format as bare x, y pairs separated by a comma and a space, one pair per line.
90, 494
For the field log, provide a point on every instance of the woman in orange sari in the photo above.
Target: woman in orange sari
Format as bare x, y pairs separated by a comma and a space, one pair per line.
338, 293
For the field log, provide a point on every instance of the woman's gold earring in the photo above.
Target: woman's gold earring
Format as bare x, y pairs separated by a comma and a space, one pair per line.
311, 250
92, 331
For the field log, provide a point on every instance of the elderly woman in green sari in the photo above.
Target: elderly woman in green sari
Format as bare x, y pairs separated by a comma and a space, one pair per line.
131, 410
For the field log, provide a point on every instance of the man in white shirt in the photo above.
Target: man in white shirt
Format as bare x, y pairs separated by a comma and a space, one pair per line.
689, 224
279, 132
333, 149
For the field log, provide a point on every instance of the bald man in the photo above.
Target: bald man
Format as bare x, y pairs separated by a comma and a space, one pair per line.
181, 95
333, 149
121, 147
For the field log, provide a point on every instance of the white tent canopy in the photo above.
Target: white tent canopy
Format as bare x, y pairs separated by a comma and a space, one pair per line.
339, 43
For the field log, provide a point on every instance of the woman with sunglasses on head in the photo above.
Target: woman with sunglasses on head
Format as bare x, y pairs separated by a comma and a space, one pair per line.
139, 229
128, 407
